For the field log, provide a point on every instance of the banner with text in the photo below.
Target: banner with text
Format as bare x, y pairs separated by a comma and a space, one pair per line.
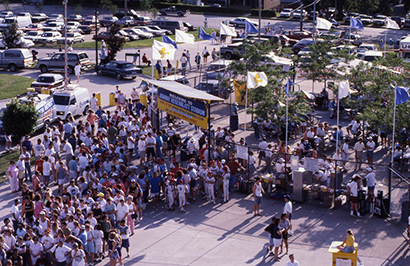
187, 109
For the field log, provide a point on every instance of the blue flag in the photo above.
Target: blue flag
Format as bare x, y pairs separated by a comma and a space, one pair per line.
356, 24
288, 86
250, 28
202, 35
166, 39
402, 95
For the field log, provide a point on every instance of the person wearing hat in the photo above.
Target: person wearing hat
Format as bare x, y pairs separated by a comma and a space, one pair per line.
181, 190
353, 189
370, 145
210, 186
235, 108
169, 192
257, 193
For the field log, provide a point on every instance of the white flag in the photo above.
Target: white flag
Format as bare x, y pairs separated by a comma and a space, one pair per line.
323, 24
161, 50
182, 36
391, 24
226, 30
343, 89
256, 79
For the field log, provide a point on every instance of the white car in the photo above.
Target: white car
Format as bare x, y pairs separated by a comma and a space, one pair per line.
22, 43
33, 35
298, 14
149, 30
142, 34
49, 37
286, 13
72, 25
154, 27
241, 22
72, 37
53, 26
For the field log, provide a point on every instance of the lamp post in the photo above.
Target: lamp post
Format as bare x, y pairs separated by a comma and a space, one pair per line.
260, 20
96, 33
65, 45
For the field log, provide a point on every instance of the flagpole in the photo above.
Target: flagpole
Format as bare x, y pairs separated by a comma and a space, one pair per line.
394, 125
246, 109
287, 106
337, 121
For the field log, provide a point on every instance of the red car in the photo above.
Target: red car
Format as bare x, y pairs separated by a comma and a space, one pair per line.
297, 35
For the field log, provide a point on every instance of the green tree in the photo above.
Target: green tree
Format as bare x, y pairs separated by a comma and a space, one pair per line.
269, 100
114, 42
11, 35
19, 118
364, 6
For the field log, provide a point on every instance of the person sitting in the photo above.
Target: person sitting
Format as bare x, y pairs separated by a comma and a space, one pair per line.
348, 243
320, 178
145, 60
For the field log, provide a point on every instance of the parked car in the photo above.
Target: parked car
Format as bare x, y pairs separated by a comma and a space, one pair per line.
366, 20
92, 18
23, 14
127, 21
72, 25
216, 69
379, 20
212, 87
53, 26
241, 22
286, 13
56, 17
33, 35
234, 50
301, 44
101, 36
19, 43
371, 56
39, 17
140, 33
13, 59
299, 13
124, 35
6, 14
87, 26
312, 13
118, 69
49, 81
399, 20
72, 37
157, 28
107, 21
33, 27
170, 25
147, 29
189, 26
128, 36
56, 62
49, 37
75, 17
298, 35
172, 10
406, 23
355, 39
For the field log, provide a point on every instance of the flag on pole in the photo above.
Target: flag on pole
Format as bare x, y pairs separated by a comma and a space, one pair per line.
202, 35
161, 50
226, 30
391, 24
356, 24
256, 79
343, 89
182, 36
167, 39
250, 28
323, 24
288, 86
402, 95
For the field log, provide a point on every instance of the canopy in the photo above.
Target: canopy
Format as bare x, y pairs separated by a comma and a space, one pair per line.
184, 90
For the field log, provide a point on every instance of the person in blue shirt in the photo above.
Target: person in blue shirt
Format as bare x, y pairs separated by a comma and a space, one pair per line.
158, 68
155, 183
159, 143
83, 235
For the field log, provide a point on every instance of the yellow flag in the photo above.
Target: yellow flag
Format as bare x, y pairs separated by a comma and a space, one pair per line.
256, 79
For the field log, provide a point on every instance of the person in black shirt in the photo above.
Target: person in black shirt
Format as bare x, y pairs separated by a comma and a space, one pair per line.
275, 236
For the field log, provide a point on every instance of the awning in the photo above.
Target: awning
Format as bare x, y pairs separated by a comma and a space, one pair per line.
184, 90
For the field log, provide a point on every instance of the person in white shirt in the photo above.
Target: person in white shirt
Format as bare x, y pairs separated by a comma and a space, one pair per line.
353, 189
359, 153
292, 261
169, 191
122, 210
35, 250
142, 146
151, 142
210, 184
60, 252
93, 103
345, 152
181, 189
78, 256
68, 151
370, 145
38, 149
77, 70
46, 171
257, 195
263, 146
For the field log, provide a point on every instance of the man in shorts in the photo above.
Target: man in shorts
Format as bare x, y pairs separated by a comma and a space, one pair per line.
352, 189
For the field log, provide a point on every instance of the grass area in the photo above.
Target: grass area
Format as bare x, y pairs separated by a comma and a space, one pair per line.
5, 162
13, 85
133, 44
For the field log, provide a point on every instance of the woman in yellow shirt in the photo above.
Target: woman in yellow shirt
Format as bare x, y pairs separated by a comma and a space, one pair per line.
348, 243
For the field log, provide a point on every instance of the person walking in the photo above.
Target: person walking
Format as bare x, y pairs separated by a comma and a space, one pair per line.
257, 195
370, 145
184, 61
198, 60
285, 225
188, 57
275, 237
205, 54
206, 23
288, 209
77, 71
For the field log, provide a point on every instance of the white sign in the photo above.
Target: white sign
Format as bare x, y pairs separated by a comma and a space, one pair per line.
294, 162
311, 164
343, 262
242, 152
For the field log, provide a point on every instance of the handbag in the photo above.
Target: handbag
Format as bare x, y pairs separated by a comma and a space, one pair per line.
134, 216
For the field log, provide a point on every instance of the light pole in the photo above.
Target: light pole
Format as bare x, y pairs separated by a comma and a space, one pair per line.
96, 33
260, 19
65, 45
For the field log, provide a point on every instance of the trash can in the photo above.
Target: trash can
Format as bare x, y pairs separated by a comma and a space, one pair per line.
233, 122
98, 96
112, 99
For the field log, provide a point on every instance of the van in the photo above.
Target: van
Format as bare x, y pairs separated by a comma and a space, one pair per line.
14, 59
22, 22
45, 107
169, 25
74, 100
371, 56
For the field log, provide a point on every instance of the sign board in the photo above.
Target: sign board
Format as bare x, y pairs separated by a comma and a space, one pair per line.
294, 162
187, 109
343, 262
242, 152
311, 164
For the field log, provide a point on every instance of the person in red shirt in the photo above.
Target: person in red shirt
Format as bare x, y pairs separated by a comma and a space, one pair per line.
38, 165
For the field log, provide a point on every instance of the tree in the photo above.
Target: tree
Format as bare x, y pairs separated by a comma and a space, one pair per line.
269, 100
19, 118
114, 42
11, 35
